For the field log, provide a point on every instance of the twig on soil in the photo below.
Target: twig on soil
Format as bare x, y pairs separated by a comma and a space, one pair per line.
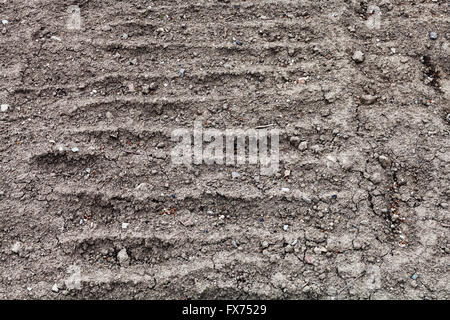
265, 126
349, 284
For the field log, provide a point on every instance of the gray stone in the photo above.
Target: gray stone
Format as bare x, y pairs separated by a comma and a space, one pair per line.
368, 99
294, 141
146, 89
376, 178
123, 258
358, 57
433, 35
106, 27
16, 247
320, 250
303, 146
384, 161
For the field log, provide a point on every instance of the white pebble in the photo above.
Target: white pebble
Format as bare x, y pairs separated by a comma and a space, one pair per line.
16, 247
285, 227
125, 225
4, 107
55, 288
5, 21
75, 149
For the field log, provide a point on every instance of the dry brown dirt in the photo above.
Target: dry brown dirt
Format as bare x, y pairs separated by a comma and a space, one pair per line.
367, 205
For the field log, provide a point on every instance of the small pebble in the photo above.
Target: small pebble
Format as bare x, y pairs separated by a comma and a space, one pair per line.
414, 276
124, 36
106, 28
5, 21
368, 99
289, 249
16, 247
294, 140
55, 288
182, 72
319, 250
123, 258
384, 161
75, 149
433, 35
145, 89
125, 225
358, 57
235, 175
234, 243
303, 146
4, 107
239, 43
285, 227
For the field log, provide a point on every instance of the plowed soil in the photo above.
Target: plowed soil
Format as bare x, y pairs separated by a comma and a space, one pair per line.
91, 205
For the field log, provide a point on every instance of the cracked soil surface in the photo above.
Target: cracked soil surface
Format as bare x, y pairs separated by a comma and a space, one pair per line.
361, 86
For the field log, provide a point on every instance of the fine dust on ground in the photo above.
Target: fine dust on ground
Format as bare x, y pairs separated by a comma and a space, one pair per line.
91, 205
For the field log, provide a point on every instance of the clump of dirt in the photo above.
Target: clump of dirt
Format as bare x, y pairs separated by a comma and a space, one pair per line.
93, 207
